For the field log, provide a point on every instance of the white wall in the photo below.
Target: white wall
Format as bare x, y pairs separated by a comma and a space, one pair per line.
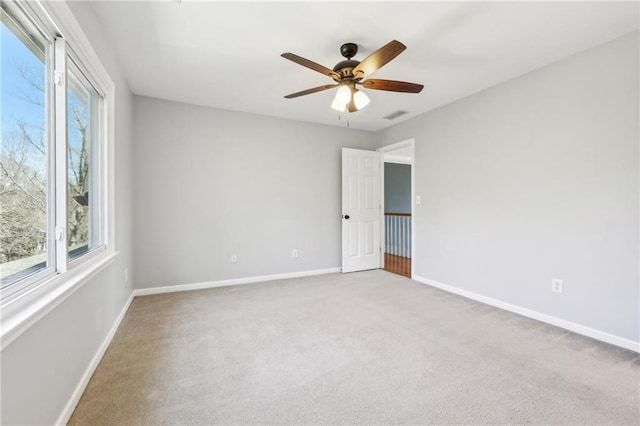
533, 179
209, 183
42, 368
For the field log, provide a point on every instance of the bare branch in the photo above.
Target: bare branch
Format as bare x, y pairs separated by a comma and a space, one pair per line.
30, 77
24, 133
38, 203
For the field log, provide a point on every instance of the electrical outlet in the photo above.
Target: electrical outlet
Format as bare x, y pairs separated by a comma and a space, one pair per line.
418, 199
294, 253
234, 258
556, 285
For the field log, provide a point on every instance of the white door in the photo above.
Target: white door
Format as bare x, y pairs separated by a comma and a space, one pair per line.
360, 210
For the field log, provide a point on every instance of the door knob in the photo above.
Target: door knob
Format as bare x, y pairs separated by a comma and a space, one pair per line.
346, 216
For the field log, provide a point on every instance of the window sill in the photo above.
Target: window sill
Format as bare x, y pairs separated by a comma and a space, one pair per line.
19, 315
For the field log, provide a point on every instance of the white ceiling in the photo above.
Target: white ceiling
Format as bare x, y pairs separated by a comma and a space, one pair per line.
227, 54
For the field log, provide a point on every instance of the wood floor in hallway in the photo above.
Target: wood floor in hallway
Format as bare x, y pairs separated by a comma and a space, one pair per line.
397, 264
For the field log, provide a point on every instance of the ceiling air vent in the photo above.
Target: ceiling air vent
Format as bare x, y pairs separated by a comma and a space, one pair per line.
396, 114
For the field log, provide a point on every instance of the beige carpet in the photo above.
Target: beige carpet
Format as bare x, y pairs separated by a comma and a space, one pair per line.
362, 348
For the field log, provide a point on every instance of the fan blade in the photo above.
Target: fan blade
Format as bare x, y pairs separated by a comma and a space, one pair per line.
310, 64
310, 91
379, 58
392, 85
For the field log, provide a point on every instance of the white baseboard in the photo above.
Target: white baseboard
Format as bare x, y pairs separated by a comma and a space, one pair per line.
568, 325
235, 281
77, 394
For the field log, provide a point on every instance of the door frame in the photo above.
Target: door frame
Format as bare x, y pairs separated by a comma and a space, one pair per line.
385, 149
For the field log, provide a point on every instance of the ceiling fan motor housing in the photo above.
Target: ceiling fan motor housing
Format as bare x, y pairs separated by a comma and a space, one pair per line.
344, 68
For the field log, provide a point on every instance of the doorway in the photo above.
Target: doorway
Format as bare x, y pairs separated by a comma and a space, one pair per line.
397, 196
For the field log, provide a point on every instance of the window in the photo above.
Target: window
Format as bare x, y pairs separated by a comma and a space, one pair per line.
52, 158
83, 124
24, 167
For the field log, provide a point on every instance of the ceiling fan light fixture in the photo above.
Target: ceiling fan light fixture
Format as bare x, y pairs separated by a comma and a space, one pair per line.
343, 95
338, 106
360, 99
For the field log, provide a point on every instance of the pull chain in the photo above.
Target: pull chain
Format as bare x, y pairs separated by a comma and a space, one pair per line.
340, 119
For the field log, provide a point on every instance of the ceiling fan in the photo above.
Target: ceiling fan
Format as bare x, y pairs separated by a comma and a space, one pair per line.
350, 73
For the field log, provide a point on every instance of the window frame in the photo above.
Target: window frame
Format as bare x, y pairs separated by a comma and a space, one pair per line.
35, 24
23, 304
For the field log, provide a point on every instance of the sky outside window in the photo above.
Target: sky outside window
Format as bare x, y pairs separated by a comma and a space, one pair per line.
23, 155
